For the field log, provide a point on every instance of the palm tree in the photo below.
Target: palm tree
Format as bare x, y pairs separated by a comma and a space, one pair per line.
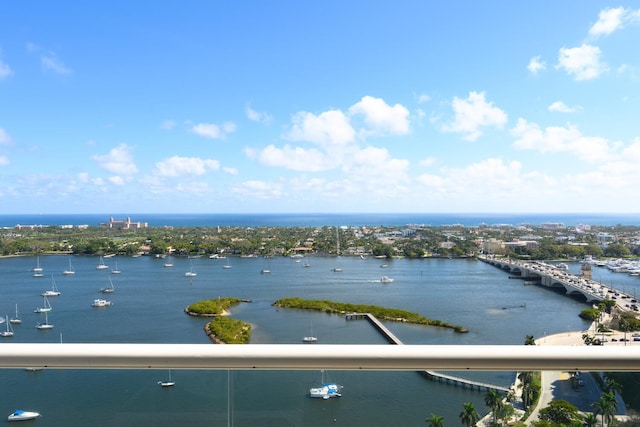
590, 420
526, 383
493, 400
612, 386
469, 416
529, 340
605, 407
435, 421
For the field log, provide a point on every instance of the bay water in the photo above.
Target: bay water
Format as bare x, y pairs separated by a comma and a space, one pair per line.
148, 305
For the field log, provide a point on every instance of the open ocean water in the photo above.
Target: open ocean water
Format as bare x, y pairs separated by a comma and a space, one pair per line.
148, 307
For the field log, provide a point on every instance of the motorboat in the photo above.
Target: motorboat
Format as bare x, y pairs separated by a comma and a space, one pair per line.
20, 415
326, 390
309, 339
386, 279
100, 303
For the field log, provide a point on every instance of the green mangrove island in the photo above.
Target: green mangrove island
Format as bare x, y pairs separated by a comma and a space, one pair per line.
221, 330
212, 307
381, 313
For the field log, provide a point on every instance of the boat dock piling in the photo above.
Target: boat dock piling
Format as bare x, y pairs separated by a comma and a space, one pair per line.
432, 375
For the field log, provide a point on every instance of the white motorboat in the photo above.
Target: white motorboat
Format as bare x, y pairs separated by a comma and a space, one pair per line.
386, 279
326, 390
100, 303
20, 415
53, 292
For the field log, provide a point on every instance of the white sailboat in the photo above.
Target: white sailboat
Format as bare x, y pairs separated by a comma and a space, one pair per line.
37, 268
109, 289
326, 390
53, 292
168, 383
46, 324
310, 339
191, 273
337, 269
70, 270
16, 320
169, 263
46, 307
9, 331
102, 265
227, 265
115, 270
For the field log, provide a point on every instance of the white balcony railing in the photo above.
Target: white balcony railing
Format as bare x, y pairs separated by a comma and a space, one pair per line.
309, 357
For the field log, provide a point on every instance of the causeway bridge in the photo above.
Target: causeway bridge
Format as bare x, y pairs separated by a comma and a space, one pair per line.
433, 375
553, 277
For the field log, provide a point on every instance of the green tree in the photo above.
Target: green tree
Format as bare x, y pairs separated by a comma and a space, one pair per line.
435, 421
560, 412
590, 420
493, 400
529, 340
469, 416
605, 407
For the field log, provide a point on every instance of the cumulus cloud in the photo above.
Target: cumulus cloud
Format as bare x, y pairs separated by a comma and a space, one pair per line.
609, 20
5, 138
474, 113
380, 117
327, 129
583, 63
294, 158
257, 116
49, 59
530, 136
536, 65
179, 166
561, 107
119, 161
213, 131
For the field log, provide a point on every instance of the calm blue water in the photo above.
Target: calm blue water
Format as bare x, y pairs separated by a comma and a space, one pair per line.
320, 219
148, 307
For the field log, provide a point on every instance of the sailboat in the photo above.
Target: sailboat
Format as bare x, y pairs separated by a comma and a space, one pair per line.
16, 320
227, 265
9, 331
310, 339
337, 269
266, 269
53, 292
37, 268
169, 263
326, 390
70, 270
191, 273
168, 383
109, 289
45, 308
115, 270
102, 265
46, 324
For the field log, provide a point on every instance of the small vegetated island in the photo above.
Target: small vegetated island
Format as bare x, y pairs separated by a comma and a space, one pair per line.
221, 330
381, 313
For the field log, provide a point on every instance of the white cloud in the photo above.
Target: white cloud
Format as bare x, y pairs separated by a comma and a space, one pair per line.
4, 161
423, 97
168, 124
5, 138
49, 59
609, 20
119, 161
530, 136
561, 107
536, 65
257, 116
5, 70
330, 128
259, 189
294, 158
583, 63
178, 166
117, 180
381, 117
213, 131
474, 113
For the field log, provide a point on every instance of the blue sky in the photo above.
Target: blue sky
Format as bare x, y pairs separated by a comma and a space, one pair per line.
333, 106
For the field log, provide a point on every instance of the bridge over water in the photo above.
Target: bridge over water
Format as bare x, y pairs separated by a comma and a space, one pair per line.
436, 376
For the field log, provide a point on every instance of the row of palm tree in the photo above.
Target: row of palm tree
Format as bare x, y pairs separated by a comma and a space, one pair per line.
469, 416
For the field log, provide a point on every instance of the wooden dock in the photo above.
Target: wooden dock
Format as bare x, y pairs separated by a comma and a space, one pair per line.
432, 375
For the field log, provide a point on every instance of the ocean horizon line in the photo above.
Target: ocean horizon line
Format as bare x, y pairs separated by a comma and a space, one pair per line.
324, 219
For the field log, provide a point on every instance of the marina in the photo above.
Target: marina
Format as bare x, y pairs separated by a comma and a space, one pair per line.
148, 307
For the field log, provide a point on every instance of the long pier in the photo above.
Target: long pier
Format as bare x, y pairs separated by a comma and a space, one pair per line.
433, 375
